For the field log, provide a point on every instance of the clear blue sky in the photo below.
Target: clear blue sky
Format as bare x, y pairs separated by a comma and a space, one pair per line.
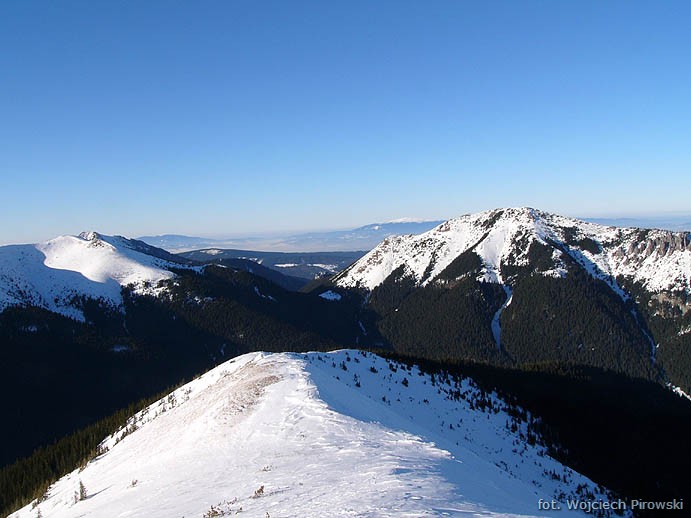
243, 116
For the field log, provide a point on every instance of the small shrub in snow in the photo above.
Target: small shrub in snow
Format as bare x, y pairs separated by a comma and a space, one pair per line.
213, 512
40, 499
82, 491
81, 494
222, 509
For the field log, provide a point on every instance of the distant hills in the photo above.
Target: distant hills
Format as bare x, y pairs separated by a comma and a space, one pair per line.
674, 223
301, 267
366, 237
361, 238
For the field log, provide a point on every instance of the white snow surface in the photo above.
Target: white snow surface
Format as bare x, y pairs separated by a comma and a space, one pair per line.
409, 220
496, 320
259, 293
330, 295
658, 259
52, 274
678, 391
313, 435
329, 267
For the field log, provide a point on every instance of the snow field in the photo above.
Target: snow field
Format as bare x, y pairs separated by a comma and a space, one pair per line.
320, 434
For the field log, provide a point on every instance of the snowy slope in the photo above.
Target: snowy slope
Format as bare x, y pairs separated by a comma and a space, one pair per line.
312, 435
658, 259
54, 274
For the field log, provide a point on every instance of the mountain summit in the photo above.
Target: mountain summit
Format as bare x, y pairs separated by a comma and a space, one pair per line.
60, 274
520, 285
317, 434
504, 239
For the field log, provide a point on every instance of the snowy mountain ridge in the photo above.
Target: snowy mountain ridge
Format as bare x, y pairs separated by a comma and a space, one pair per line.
57, 274
290, 434
660, 260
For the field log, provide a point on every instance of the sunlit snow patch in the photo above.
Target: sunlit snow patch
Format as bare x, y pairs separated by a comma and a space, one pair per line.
330, 295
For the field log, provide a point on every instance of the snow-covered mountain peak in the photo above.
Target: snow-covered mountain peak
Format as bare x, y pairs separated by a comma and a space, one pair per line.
341, 433
96, 239
58, 274
425, 256
90, 235
660, 260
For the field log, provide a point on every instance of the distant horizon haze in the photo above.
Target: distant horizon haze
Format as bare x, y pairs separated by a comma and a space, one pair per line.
675, 221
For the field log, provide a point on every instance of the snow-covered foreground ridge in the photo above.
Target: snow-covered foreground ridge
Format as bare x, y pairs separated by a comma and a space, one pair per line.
658, 259
56, 274
320, 434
